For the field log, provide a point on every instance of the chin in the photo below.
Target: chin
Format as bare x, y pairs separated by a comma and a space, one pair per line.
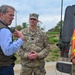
9, 24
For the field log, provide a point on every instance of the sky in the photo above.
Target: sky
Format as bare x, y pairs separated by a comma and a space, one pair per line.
49, 11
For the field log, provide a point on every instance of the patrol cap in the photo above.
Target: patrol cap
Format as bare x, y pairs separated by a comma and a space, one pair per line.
34, 15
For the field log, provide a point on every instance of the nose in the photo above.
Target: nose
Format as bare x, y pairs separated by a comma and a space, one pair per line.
12, 17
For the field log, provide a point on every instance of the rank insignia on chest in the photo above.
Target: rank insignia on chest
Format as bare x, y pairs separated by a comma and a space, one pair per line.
32, 38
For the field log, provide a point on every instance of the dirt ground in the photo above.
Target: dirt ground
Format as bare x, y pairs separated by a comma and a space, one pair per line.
50, 69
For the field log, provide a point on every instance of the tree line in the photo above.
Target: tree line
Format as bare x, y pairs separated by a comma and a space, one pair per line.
25, 25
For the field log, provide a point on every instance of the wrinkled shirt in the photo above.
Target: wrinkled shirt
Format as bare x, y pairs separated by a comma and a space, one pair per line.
8, 47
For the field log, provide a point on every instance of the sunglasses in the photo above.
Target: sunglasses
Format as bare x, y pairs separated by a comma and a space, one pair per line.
32, 19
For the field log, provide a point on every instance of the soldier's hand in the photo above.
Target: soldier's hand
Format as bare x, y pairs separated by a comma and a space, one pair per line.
18, 34
32, 55
29, 56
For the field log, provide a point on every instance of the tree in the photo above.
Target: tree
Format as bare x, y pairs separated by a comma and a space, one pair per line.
19, 27
58, 26
25, 25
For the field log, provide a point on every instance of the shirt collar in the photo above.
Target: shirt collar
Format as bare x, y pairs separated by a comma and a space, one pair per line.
2, 21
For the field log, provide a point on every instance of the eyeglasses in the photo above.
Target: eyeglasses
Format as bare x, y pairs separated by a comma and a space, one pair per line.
32, 19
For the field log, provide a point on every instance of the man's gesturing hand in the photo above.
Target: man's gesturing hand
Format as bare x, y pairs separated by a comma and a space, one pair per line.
18, 34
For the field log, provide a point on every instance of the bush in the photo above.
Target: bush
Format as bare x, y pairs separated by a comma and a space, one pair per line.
53, 40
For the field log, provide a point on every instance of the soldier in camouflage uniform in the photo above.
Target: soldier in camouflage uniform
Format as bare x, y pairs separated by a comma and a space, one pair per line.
35, 49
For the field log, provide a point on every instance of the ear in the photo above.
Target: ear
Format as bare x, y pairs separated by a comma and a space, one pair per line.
1, 14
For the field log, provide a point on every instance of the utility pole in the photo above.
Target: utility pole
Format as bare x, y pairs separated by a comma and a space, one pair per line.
61, 9
16, 19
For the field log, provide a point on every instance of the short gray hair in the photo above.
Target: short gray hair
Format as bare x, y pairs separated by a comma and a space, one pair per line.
3, 8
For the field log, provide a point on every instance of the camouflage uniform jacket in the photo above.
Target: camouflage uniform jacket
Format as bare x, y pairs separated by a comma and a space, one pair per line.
34, 41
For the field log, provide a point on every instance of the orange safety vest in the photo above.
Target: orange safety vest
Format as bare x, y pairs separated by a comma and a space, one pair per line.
73, 45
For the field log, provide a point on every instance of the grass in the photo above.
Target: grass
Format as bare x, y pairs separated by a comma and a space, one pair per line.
54, 50
48, 33
53, 55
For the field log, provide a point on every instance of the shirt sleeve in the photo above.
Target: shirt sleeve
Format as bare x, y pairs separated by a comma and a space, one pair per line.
8, 47
45, 51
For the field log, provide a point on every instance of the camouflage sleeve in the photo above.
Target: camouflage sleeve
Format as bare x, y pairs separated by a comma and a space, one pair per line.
22, 53
46, 48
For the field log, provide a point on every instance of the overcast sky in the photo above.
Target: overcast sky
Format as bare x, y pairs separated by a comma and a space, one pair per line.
49, 10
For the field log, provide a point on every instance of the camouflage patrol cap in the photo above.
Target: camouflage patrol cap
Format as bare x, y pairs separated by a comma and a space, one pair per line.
34, 15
